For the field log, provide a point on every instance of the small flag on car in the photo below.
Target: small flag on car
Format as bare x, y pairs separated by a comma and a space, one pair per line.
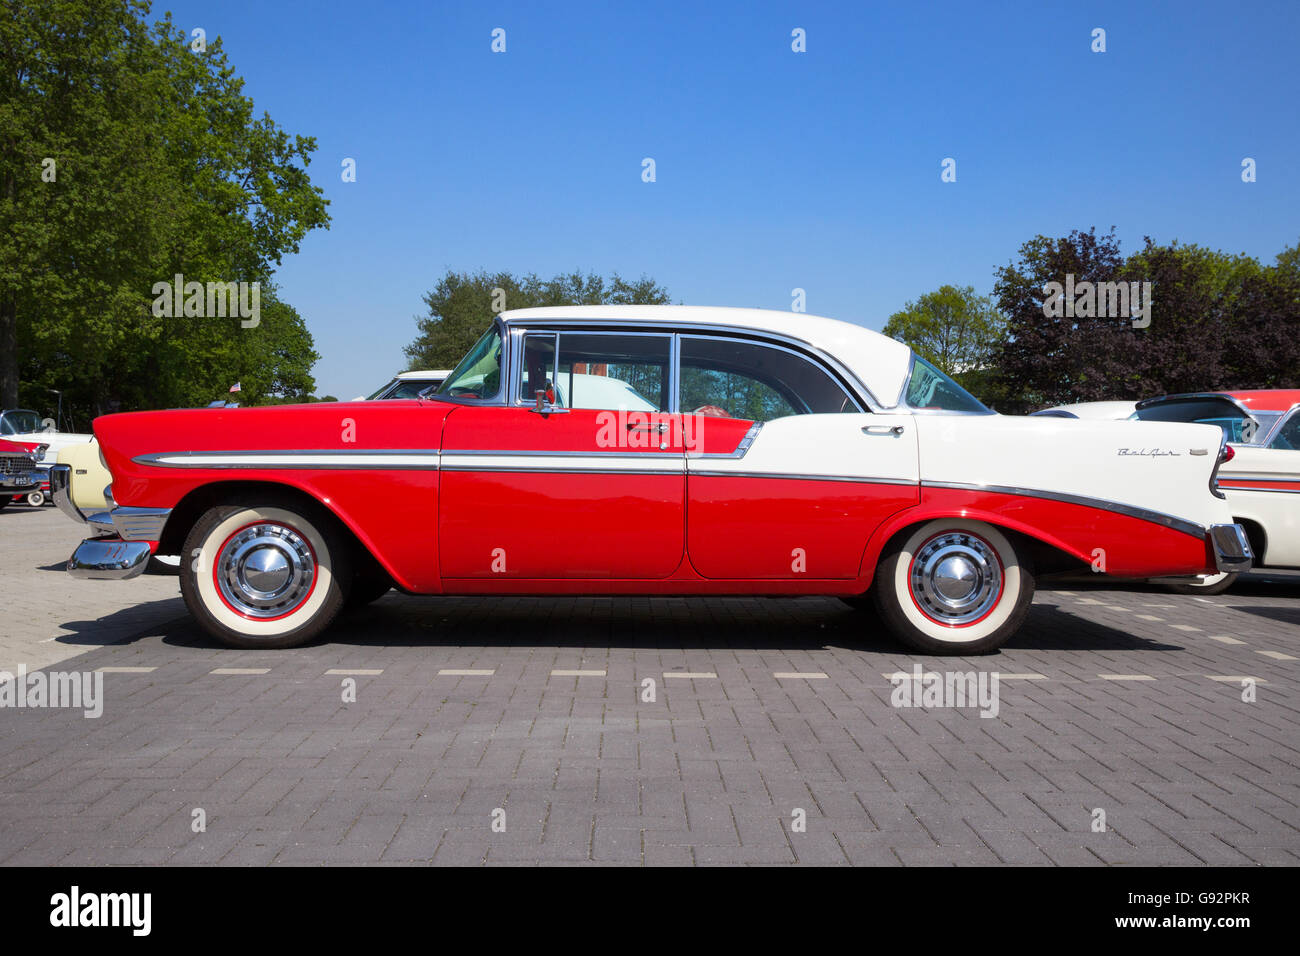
235, 387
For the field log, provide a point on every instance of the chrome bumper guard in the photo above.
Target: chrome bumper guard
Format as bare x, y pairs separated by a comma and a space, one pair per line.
109, 559
1231, 547
129, 524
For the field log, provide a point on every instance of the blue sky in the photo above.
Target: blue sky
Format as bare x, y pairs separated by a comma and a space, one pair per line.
775, 169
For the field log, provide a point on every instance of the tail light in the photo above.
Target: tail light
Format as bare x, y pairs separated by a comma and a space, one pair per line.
1227, 454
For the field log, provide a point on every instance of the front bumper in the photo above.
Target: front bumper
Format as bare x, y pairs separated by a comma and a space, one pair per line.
20, 483
109, 559
1231, 547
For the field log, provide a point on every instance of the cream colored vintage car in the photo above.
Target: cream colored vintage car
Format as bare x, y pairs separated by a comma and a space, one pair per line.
87, 475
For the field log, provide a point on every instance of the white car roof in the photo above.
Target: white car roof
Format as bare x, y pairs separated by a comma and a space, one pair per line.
879, 362
428, 373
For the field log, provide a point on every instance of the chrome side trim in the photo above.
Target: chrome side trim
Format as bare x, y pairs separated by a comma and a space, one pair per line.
856, 479
61, 491
575, 470
506, 453
1143, 514
108, 559
360, 458
746, 440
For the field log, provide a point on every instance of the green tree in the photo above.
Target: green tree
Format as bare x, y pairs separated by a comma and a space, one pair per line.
461, 306
956, 330
126, 157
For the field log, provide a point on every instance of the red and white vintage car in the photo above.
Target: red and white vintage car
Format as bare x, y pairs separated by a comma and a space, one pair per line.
20, 474
663, 451
1262, 479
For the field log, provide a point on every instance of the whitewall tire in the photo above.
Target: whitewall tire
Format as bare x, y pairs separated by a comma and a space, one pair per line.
266, 573
953, 586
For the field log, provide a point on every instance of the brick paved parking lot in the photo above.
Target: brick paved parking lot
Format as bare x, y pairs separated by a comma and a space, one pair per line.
525, 731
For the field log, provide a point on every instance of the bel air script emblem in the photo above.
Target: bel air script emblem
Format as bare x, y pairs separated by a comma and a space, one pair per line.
1148, 452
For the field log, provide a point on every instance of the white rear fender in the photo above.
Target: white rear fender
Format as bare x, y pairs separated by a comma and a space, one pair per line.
1157, 467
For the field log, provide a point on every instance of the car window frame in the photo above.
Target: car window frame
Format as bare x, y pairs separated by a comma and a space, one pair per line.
750, 340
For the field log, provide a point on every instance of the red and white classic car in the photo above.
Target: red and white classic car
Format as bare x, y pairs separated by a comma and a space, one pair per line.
20, 473
1262, 479
655, 450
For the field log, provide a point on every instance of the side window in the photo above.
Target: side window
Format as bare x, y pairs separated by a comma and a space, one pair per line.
598, 370
1288, 437
732, 378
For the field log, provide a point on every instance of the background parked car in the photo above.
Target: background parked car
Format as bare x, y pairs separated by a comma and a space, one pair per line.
1105, 411
20, 471
407, 385
1262, 479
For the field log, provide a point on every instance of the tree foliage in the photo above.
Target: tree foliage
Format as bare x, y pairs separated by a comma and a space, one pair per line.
462, 305
953, 328
1217, 321
127, 157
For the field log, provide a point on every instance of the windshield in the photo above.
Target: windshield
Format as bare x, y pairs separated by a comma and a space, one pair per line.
19, 421
929, 388
479, 373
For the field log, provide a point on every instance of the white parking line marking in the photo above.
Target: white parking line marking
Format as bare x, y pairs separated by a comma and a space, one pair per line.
577, 673
798, 675
692, 675
1160, 605
466, 672
1236, 680
241, 670
1126, 677
1089, 601
354, 672
1184, 627
1068, 593
1225, 639
1149, 617
1277, 655
125, 670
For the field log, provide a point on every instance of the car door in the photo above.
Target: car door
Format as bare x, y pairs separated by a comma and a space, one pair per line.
588, 484
787, 476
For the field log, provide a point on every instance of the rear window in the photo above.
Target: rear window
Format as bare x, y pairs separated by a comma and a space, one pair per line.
1236, 425
928, 388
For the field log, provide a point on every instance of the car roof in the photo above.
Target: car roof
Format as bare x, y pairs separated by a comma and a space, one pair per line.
881, 363
427, 373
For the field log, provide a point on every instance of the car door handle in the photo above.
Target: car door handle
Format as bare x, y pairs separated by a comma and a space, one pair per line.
660, 427
882, 430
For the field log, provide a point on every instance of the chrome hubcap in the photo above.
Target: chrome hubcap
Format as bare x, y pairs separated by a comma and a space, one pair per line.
265, 570
955, 578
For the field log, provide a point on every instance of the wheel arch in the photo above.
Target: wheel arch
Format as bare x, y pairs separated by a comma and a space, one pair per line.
191, 507
1046, 553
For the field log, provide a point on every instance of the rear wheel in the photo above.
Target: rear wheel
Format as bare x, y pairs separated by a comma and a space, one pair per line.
265, 573
36, 498
953, 587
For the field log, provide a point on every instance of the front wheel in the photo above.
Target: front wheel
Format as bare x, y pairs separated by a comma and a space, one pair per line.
953, 587
265, 574
36, 498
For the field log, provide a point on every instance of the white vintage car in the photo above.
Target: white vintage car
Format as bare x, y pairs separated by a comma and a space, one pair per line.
661, 450
1262, 478
1105, 411
25, 425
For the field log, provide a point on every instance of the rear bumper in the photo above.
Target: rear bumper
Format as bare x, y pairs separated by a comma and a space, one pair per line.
1231, 547
109, 559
